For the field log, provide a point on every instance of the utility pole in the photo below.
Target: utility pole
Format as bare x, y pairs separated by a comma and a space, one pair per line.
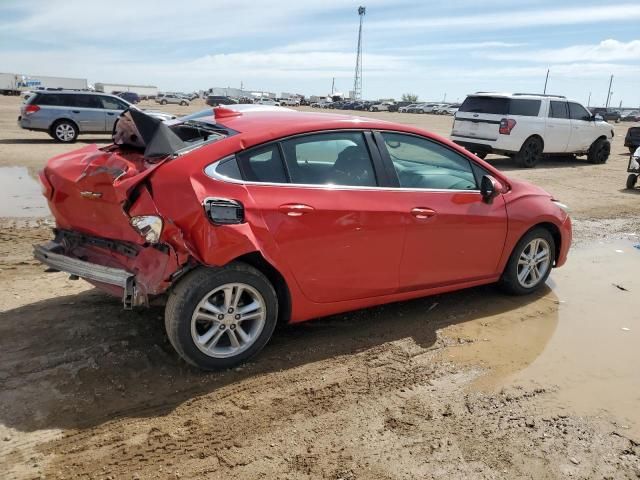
589, 100
357, 80
610, 92
333, 84
444, 99
545, 82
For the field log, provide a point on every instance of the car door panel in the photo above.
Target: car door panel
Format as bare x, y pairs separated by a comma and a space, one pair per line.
582, 128
461, 241
557, 127
452, 234
341, 244
112, 109
86, 112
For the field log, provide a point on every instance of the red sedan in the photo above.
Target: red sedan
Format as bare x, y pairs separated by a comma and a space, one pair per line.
248, 218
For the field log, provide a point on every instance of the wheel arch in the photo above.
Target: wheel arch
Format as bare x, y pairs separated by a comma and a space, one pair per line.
534, 135
552, 229
256, 260
601, 137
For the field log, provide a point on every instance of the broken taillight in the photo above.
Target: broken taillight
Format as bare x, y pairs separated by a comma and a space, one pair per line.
506, 125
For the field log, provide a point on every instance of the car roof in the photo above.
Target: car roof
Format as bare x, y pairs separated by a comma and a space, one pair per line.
74, 92
537, 96
257, 127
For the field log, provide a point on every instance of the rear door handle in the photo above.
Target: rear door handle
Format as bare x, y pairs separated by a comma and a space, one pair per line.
75, 111
422, 213
295, 209
110, 113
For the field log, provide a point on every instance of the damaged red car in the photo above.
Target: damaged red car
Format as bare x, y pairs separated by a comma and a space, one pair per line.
243, 219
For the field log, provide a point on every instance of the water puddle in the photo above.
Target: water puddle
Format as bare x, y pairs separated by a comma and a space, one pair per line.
581, 338
21, 194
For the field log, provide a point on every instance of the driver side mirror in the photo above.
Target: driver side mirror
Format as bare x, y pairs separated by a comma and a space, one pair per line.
489, 188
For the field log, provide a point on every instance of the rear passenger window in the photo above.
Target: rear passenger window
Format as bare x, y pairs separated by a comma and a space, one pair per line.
340, 158
558, 109
525, 108
85, 101
263, 165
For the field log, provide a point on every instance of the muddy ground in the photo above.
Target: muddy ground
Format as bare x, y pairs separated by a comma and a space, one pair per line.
466, 385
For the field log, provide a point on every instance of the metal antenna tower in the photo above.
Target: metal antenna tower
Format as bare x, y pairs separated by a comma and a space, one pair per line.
357, 80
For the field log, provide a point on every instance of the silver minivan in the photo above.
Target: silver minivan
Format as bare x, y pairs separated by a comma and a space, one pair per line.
64, 114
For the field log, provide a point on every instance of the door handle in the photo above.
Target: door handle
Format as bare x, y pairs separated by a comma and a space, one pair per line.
295, 209
75, 111
110, 113
422, 213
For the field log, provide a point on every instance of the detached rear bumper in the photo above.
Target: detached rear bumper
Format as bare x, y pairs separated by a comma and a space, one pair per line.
49, 254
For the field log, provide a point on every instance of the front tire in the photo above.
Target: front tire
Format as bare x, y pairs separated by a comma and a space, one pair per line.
184, 104
163, 102
530, 263
632, 179
599, 151
64, 131
530, 153
217, 318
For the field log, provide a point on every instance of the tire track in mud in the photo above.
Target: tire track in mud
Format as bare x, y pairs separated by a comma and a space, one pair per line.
390, 412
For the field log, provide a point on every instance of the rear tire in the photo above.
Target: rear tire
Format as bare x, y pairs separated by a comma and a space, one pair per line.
599, 151
163, 102
530, 263
530, 153
203, 315
183, 103
632, 179
64, 131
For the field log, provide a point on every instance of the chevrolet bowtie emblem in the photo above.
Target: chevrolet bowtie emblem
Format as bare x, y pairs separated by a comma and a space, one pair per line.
91, 195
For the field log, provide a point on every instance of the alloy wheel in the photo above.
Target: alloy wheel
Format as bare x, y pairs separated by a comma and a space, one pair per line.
65, 132
228, 320
534, 262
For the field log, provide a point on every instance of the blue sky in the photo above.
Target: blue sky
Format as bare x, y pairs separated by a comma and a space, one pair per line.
427, 48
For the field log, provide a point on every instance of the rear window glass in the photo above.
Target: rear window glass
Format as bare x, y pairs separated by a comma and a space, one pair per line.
494, 105
501, 106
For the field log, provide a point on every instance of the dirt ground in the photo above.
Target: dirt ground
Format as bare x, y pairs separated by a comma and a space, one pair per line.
466, 385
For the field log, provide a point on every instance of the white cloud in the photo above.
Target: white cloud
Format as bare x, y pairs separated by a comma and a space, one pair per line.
605, 51
509, 19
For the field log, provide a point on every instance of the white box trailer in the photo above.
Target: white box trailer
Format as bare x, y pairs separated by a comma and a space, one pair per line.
14, 83
144, 91
8, 84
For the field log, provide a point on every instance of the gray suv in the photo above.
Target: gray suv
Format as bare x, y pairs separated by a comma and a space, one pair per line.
65, 114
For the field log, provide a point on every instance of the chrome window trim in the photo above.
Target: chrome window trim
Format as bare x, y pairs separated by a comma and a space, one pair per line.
211, 172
